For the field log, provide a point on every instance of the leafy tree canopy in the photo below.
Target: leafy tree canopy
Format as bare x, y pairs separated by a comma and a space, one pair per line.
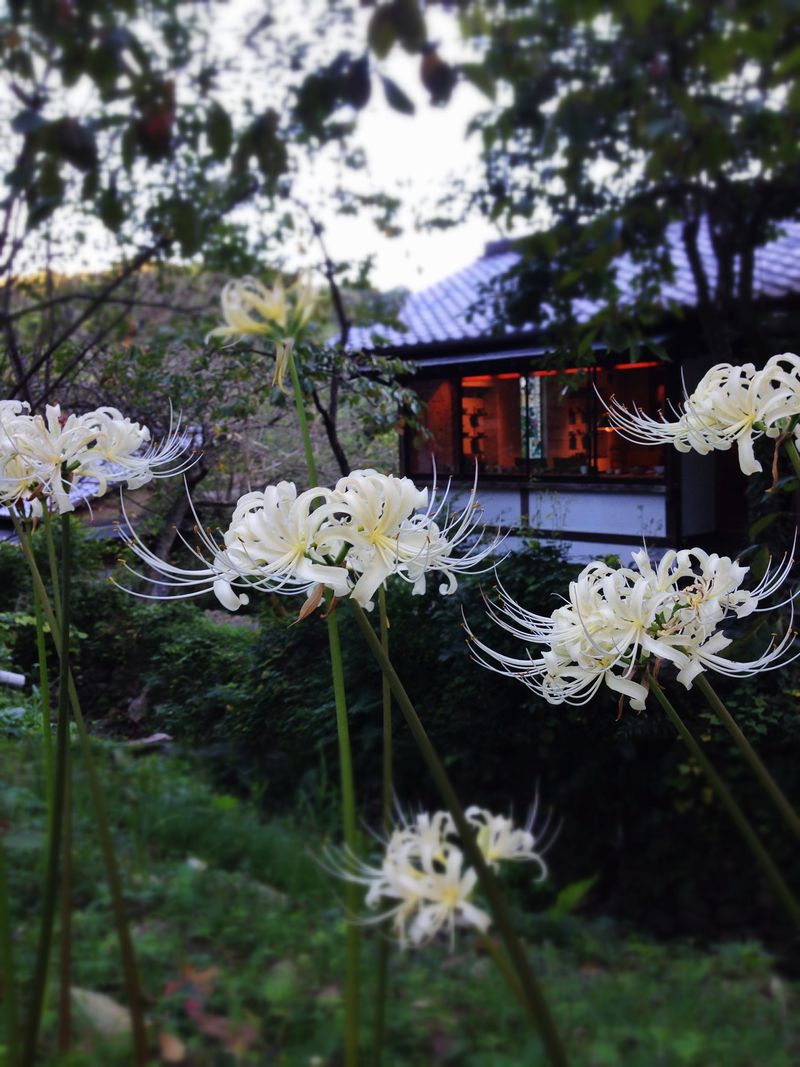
617, 120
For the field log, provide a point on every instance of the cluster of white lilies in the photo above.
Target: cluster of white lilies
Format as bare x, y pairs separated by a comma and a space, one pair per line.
349, 540
730, 405
424, 879
616, 619
40, 455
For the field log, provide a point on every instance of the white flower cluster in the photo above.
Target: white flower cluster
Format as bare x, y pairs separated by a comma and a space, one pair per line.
348, 539
617, 618
40, 455
424, 879
730, 405
250, 308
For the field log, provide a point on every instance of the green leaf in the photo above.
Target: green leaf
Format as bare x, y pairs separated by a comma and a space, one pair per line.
477, 74
761, 524
220, 131
381, 32
396, 98
112, 213
572, 895
186, 224
409, 24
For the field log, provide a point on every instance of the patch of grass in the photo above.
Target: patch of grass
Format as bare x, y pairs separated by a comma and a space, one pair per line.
239, 935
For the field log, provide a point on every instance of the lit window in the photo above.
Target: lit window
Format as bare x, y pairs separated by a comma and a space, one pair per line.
544, 424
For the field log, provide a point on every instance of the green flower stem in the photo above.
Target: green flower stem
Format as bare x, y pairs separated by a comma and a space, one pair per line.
65, 933
744, 827
352, 896
44, 696
384, 945
778, 797
386, 692
7, 965
534, 998
130, 972
300, 405
52, 561
56, 822
790, 448
501, 962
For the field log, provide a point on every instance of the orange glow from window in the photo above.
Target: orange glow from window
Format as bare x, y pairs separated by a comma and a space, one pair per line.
636, 366
569, 370
477, 379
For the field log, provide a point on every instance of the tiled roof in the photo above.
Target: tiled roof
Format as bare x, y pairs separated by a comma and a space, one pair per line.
443, 311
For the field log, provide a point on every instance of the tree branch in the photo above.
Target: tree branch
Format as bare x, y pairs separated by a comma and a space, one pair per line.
333, 436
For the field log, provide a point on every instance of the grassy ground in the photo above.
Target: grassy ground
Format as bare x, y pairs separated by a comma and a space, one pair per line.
239, 934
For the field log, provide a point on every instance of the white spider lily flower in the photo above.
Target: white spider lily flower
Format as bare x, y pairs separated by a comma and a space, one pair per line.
277, 533
36, 450
730, 405
445, 902
251, 309
124, 449
617, 620
10, 409
391, 529
423, 883
270, 545
422, 897
500, 841
453, 548
41, 455
370, 510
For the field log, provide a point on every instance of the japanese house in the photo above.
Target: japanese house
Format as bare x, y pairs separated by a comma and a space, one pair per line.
549, 464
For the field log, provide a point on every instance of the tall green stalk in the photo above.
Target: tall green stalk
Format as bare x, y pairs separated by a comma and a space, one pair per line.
352, 896
44, 697
7, 965
384, 945
59, 794
130, 972
386, 694
538, 1009
790, 449
302, 419
65, 932
771, 787
774, 877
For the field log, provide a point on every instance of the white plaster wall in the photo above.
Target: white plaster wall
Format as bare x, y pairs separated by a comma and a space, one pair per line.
624, 512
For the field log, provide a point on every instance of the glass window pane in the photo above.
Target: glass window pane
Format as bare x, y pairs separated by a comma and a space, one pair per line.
438, 420
566, 411
636, 386
491, 424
